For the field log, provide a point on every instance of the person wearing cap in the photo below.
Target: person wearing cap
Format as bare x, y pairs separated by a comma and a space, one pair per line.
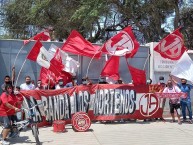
185, 102
161, 82
60, 84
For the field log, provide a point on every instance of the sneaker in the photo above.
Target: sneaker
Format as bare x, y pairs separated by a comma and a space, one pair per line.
5, 142
162, 119
184, 120
179, 122
190, 121
172, 121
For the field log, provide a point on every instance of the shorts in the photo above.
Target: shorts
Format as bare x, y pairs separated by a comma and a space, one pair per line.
13, 119
6, 122
176, 107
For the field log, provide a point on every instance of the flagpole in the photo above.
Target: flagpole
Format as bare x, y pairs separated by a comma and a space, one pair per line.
91, 61
20, 72
18, 54
146, 61
127, 61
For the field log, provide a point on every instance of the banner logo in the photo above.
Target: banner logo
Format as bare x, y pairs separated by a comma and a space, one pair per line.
148, 105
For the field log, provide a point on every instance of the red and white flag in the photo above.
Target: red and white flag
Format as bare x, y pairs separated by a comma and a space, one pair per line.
138, 76
39, 54
172, 46
122, 44
52, 49
42, 36
70, 65
47, 77
76, 44
111, 68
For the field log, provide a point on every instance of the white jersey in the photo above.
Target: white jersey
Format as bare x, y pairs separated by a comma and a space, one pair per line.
25, 86
174, 89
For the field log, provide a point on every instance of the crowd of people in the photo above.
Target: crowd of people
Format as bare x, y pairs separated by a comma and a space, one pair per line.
11, 100
179, 104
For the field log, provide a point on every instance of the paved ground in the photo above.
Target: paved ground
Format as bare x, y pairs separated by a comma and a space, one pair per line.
130, 133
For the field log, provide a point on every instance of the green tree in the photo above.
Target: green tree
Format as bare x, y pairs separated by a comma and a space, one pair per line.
97, 20
42, 14
186, 21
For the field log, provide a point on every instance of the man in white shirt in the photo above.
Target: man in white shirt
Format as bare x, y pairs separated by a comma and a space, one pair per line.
173, 102
27, 85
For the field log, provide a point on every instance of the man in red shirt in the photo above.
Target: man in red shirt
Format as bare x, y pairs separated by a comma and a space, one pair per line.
7, 110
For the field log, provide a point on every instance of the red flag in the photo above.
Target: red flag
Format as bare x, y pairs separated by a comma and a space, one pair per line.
138, 76
42, 36
39, 54
76, 44
67, 77
172, 46
111, 68
47, 77
122, 44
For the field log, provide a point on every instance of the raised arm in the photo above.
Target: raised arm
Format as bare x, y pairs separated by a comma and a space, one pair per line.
13, 74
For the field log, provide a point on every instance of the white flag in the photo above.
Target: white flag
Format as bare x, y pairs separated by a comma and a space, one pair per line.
70, 65
184, 68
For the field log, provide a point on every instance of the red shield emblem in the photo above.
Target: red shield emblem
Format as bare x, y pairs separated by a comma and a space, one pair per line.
81, 122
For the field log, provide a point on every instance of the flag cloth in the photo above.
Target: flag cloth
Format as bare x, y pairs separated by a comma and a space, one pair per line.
138, 76
70, 65
172, 46
111, 68
47, 77
42, 36
39, 54
122, 44
184, 68
76, 44
52, 49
